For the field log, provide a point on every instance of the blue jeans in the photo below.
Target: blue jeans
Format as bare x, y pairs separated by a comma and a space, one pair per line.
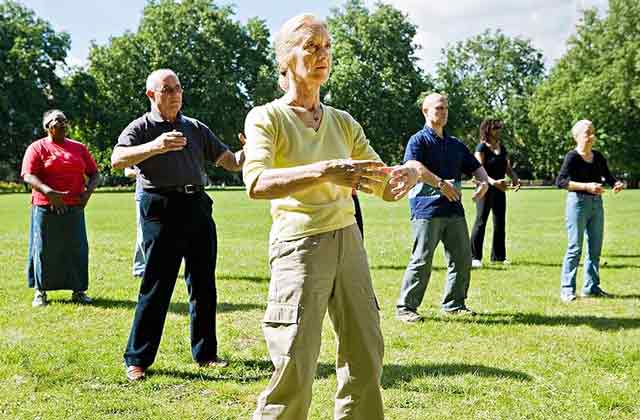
139, 260
453, 233
584, 214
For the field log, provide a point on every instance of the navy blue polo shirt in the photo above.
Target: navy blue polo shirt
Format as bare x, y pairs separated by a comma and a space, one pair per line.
448, 158
175, 168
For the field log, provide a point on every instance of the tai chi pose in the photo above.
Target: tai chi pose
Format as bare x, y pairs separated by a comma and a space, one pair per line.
494, 158
62, 175
582, 173
306, 157
169, 150
437, 213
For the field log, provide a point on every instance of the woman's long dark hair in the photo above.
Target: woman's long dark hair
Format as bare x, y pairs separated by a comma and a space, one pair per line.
485, 129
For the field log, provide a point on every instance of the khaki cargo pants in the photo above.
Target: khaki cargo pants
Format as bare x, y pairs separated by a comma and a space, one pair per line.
309, 275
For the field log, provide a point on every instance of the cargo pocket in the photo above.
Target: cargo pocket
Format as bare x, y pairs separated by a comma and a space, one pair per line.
280, 326
281, 313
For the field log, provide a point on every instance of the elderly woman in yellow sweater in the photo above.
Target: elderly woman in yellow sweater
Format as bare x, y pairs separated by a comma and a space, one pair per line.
306, 157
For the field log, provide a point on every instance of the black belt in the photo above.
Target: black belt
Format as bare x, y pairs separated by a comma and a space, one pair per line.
184, 189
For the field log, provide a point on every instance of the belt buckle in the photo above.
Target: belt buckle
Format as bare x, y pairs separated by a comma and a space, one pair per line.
190, 189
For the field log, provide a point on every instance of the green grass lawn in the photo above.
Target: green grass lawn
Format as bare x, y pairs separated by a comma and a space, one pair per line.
526, 356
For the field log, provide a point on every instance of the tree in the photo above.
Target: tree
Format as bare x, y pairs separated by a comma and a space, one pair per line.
30, 53
375, 76
598, 79
492, 76
223, 66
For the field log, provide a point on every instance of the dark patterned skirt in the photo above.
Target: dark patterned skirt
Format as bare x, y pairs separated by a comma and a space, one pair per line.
58, 250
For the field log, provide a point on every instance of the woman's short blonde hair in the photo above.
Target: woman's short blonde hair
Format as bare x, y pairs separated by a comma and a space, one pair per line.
288, 37
579, 127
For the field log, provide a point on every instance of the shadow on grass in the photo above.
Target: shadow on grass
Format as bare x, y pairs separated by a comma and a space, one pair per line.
175, 307
596, 322
603, 265
238, 371
621, 256
394, 375
256, 279
611, 296
434, 268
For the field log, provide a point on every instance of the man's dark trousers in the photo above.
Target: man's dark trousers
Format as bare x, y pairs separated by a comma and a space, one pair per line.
175, 225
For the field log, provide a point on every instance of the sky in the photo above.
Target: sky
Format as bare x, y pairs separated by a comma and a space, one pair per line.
547, 23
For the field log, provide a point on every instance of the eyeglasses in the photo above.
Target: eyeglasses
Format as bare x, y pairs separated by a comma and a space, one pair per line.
58, 122
170, 90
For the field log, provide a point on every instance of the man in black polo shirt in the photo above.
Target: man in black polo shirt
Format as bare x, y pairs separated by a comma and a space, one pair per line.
169, 150
437, 213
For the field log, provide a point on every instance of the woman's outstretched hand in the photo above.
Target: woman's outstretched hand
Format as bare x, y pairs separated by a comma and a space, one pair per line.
362, 175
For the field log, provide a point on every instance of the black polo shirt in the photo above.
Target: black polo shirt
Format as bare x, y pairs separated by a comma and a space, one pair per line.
176, 168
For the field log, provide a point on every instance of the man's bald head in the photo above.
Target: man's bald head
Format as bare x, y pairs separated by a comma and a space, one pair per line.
156, 77
431, 99
435, 109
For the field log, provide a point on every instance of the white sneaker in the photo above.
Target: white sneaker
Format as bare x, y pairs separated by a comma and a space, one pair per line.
568, 297
39, 299
476, 264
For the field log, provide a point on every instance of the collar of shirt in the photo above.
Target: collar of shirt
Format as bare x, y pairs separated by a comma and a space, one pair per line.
157, 117
430, 132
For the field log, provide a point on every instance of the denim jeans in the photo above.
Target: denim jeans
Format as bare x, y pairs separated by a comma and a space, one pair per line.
139, 260
584, 214
453, 233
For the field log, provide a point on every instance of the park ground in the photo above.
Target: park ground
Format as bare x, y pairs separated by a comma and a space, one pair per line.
525, 356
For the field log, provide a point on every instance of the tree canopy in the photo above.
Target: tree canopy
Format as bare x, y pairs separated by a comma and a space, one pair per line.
597, 79
492, 76
375, 75
226, 67
30, 54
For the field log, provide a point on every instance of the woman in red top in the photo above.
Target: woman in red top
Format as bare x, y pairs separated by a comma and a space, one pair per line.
63, 175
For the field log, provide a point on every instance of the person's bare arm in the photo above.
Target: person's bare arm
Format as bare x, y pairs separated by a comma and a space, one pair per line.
282, 182
231, 161
91, 185
54, 196
482, 178
426, 176
515, 181
124, 156
590, 187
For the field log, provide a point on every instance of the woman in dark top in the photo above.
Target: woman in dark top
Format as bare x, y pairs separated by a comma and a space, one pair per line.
495, 159
582, 173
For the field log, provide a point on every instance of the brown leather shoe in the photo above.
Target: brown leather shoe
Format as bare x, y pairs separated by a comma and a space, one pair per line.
135, 373
215, 363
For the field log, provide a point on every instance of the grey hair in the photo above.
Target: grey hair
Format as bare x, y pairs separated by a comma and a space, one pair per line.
155, 75
286, 39
51, 115
579, 127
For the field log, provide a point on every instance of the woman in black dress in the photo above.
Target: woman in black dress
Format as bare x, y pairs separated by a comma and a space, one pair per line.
495, 159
